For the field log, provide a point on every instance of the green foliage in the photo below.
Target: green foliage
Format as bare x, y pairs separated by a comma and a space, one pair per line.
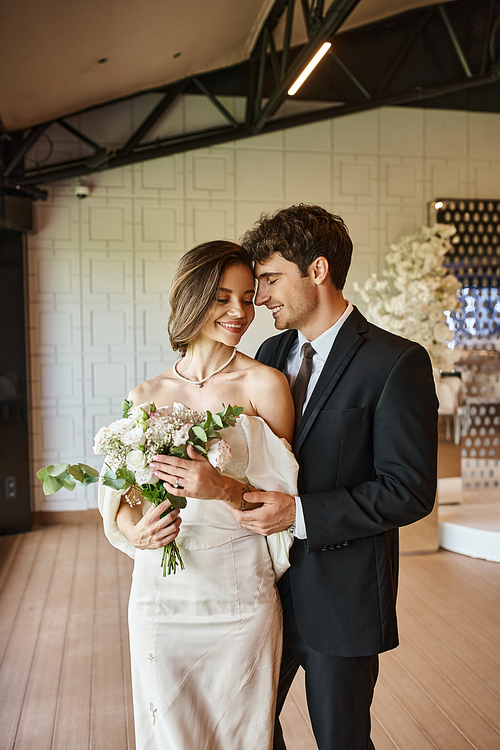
65, 476
204, 432
122, 479
126, 406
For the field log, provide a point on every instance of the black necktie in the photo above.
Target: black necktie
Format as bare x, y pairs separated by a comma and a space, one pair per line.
299, 389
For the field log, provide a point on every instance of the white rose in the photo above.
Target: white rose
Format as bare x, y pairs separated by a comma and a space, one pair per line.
145, 476
219, 454
136, 460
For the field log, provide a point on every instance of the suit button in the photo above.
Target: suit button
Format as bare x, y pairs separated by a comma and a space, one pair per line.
325, 549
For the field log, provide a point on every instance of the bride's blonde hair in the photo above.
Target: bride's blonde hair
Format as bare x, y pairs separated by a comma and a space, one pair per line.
195, 287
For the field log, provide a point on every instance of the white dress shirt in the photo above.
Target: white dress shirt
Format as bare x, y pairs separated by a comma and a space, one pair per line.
322, 347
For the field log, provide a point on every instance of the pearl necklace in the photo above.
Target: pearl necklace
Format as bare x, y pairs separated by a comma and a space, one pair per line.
199, 383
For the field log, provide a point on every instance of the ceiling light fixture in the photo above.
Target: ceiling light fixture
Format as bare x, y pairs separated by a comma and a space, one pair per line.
309, 68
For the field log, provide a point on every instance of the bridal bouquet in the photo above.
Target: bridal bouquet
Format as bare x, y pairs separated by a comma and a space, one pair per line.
129, 445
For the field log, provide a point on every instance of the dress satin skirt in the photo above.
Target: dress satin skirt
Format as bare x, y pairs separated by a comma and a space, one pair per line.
206, 648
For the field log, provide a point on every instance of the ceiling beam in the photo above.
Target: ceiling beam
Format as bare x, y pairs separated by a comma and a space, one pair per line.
353, 86
325, 29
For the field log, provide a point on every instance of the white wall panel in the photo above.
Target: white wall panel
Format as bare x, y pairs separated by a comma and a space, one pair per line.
357, 134
446, 133
308, 177
259, 175
158, 224
99, 269
401, 131
56, 275
55, 329
487, 180
314, 137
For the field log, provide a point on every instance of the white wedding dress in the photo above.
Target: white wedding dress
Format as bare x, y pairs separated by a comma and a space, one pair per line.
205, 643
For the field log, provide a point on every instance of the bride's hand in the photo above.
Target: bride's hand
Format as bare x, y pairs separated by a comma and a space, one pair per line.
151, 531
193, 477
196, 477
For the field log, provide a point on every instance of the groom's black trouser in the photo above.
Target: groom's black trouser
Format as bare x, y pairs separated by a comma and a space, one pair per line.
339, 689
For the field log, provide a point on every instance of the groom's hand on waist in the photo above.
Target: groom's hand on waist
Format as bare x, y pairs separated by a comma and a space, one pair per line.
276, 513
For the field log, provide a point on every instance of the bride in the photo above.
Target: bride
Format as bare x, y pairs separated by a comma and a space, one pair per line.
206, 643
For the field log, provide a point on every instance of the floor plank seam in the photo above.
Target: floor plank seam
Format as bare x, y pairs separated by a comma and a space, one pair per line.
452, 686
9, 563
21, 598
35, 646
93, 657
407, 713
442, 645
451, 627
473, 623
66, 635
384, 730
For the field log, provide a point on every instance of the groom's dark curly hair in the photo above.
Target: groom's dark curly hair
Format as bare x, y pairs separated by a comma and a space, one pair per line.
301, 234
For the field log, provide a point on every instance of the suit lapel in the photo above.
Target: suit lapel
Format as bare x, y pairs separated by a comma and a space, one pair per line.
282, 350
345, 346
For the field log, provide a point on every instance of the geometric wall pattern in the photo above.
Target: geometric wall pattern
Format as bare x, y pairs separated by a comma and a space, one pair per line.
99, 269
481, 430
475, 260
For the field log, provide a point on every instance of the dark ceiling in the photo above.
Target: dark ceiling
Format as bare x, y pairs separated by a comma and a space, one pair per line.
442, 55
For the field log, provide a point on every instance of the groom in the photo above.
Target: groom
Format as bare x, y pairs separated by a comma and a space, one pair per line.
366, 443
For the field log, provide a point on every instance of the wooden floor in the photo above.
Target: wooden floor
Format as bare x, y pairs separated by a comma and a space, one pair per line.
64, 671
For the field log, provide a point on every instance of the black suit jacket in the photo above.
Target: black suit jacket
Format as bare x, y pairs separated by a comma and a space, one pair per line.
367, 451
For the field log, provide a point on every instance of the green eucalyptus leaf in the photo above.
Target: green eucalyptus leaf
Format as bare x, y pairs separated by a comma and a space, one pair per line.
178, 502
109, 473
42, 473
51, 485
57, 469
110, 482
76, 472
126, 475
68, 482
89, 470
200, 432
218, 420
176, 450
126, 406
87, 479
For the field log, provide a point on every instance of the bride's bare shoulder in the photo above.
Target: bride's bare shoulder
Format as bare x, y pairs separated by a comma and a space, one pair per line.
150, 390
267, 377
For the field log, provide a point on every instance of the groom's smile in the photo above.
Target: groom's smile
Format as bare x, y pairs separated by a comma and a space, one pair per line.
289, 296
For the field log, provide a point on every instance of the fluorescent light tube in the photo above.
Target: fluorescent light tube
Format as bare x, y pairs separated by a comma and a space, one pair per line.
309, 68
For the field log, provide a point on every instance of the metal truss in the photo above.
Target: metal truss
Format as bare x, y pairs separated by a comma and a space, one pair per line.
458, 41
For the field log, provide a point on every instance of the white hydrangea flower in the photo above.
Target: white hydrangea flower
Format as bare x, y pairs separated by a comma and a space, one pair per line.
415, 291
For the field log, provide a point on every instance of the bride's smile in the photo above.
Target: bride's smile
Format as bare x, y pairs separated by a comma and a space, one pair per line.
233, 310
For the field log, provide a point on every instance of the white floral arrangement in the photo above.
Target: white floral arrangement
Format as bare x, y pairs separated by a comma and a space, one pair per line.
130, 444
416, 290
